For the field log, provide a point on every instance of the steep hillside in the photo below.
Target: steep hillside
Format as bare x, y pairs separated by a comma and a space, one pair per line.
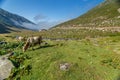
107, 14
8, 19
4, 29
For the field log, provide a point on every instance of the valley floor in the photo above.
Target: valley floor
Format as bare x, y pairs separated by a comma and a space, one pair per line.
89, 59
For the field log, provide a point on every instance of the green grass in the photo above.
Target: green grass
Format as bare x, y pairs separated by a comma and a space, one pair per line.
76, 33
90, 59
59, 33
92, 54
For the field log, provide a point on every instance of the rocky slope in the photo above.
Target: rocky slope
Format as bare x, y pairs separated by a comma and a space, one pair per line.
106, 14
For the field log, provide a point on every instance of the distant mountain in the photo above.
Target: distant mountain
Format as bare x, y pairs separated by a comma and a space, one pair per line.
9, 20
106, 14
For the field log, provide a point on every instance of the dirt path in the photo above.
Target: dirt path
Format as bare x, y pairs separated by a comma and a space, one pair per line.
88, 27
5, 67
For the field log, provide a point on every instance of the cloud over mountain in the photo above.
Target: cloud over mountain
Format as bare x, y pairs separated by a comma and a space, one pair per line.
44, 22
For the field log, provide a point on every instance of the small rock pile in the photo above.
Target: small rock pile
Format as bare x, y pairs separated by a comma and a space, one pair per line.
64, 66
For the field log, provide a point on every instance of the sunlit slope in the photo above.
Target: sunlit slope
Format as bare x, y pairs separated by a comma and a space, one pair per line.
106, 14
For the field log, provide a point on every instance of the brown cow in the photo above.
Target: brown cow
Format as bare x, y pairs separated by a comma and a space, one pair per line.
31, 41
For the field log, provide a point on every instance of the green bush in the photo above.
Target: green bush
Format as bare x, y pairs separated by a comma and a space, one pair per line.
18, 59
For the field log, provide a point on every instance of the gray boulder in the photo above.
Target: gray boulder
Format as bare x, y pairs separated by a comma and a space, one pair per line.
5, 67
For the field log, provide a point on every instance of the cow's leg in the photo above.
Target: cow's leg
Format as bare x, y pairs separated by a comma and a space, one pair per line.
32, 47
39, 43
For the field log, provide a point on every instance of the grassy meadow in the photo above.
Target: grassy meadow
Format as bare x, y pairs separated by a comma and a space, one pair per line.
67, 34
90, 44
91, 58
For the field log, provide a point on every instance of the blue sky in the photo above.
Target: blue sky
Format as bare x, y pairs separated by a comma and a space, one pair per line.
49, 11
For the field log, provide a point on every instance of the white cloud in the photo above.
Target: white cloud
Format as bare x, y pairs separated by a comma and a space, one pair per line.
26, 25
29, 25
43, 22
47, 24
40, 17
16, 22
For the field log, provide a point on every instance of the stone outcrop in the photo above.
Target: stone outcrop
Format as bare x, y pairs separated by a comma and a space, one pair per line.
5, 67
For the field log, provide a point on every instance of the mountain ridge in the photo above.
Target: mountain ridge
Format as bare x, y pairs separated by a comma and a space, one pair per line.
8, 19
106, 14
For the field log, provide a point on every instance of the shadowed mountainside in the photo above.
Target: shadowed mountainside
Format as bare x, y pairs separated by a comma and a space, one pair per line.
9, 20
5, 29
